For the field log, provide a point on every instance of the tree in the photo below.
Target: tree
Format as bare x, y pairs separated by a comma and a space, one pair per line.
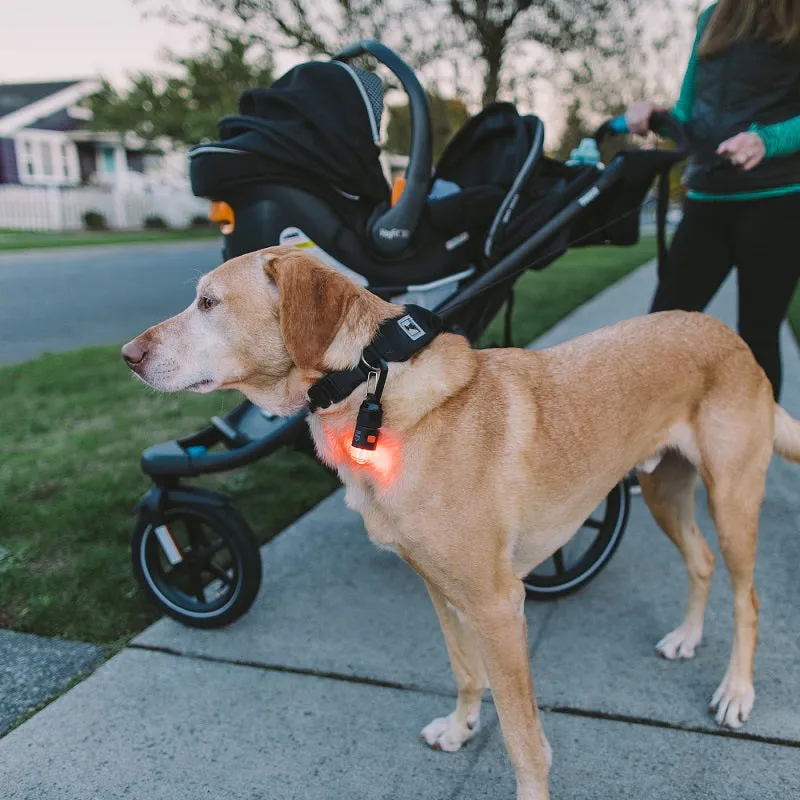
575, 129
447, 116
186, 106
318, 28
511, 41
650, 67
525, 32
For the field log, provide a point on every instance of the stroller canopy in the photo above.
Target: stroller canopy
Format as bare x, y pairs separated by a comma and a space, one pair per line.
320, 122
491, 149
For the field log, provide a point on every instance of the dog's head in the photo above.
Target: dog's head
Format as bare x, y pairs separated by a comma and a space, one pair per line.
267, 323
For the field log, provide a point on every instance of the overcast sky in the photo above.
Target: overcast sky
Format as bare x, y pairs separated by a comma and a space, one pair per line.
58, 39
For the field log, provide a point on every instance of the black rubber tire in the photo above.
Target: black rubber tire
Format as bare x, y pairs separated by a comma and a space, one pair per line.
589, 565
243, 567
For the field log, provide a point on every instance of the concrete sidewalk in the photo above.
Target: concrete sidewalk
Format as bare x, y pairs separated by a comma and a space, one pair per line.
321, 690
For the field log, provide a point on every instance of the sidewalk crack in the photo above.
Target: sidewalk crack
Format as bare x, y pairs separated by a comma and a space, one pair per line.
308, 671
564, 710
723, 733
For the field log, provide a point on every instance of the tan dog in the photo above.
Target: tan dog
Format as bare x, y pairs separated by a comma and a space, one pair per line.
490, 460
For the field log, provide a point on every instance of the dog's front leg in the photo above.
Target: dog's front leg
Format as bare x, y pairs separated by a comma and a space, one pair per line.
451, 732
499, 622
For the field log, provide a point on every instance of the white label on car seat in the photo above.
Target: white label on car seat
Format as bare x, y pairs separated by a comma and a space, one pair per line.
456, 241
394, 233
410, 327
294, 237
588, 197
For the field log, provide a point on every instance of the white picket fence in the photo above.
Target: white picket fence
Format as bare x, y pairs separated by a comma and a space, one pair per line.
33, 208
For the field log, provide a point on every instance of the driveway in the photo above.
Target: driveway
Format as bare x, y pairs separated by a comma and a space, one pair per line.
63, 299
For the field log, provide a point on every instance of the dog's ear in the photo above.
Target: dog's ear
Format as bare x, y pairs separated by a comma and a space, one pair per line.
313, 303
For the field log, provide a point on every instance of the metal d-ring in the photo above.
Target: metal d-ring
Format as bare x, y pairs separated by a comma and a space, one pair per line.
376, 378
372, 381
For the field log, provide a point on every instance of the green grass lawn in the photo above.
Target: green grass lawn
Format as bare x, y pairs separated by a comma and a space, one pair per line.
543, 298
24, 240
72, 427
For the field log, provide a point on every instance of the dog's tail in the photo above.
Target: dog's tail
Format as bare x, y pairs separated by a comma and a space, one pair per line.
787, 435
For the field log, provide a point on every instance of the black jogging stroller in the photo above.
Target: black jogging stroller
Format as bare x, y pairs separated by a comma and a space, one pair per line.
300, 165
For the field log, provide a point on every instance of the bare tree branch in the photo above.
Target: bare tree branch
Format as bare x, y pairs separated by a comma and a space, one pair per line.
486, 49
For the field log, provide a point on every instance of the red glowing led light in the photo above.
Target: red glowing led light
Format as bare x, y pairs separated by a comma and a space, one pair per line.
382, 464
361, 456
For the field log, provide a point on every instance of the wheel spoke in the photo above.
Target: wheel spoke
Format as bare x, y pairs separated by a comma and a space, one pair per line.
196, 582
213, 549
197, 537
205, 555
558, 560
220, 574
597, 524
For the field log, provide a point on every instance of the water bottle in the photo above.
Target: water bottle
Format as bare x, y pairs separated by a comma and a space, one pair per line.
584, 154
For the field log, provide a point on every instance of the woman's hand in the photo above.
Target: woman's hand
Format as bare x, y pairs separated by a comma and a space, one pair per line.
638, 115
746, 150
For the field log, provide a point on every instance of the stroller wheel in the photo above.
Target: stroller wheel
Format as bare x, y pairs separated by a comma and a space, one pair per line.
201, 564
582, 558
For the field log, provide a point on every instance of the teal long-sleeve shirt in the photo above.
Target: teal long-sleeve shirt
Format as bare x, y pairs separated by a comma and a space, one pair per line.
780, 139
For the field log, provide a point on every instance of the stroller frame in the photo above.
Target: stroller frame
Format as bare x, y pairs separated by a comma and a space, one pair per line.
247, 434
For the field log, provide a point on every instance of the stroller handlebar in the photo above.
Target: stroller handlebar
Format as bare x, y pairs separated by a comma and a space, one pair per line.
617, 125
391, 231
661, 123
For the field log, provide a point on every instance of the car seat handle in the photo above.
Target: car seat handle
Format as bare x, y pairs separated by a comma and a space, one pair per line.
391, 230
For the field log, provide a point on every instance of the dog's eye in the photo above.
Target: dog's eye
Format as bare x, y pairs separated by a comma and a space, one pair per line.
206, 303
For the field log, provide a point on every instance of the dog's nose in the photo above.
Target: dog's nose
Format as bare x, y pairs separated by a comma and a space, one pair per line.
134, 353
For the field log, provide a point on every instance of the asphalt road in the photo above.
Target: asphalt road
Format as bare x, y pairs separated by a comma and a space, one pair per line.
53, 300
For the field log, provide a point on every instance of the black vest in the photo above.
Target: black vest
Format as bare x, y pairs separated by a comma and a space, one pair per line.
750, 82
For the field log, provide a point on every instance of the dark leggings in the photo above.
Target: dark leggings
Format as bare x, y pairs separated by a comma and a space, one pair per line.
762, 239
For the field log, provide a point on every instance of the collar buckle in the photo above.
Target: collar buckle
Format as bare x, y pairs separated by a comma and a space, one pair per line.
397, 339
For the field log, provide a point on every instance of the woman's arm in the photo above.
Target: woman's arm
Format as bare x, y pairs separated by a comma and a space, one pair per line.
638, 113
781, 138
682, 110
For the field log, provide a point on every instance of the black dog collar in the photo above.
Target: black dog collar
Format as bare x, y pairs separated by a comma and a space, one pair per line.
397, 339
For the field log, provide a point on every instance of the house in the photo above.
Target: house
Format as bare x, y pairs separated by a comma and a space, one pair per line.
45, 139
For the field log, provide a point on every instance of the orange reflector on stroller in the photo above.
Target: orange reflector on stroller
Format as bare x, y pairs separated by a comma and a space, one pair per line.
397, 189
221, 213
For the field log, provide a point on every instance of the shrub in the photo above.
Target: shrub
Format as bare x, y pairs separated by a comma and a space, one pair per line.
94, 221
155, 223
200, 221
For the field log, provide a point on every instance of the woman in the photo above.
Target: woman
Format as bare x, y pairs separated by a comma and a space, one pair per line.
740, 103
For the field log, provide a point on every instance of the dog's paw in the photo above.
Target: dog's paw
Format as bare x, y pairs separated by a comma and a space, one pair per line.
733, 702
679, 643
450, 733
